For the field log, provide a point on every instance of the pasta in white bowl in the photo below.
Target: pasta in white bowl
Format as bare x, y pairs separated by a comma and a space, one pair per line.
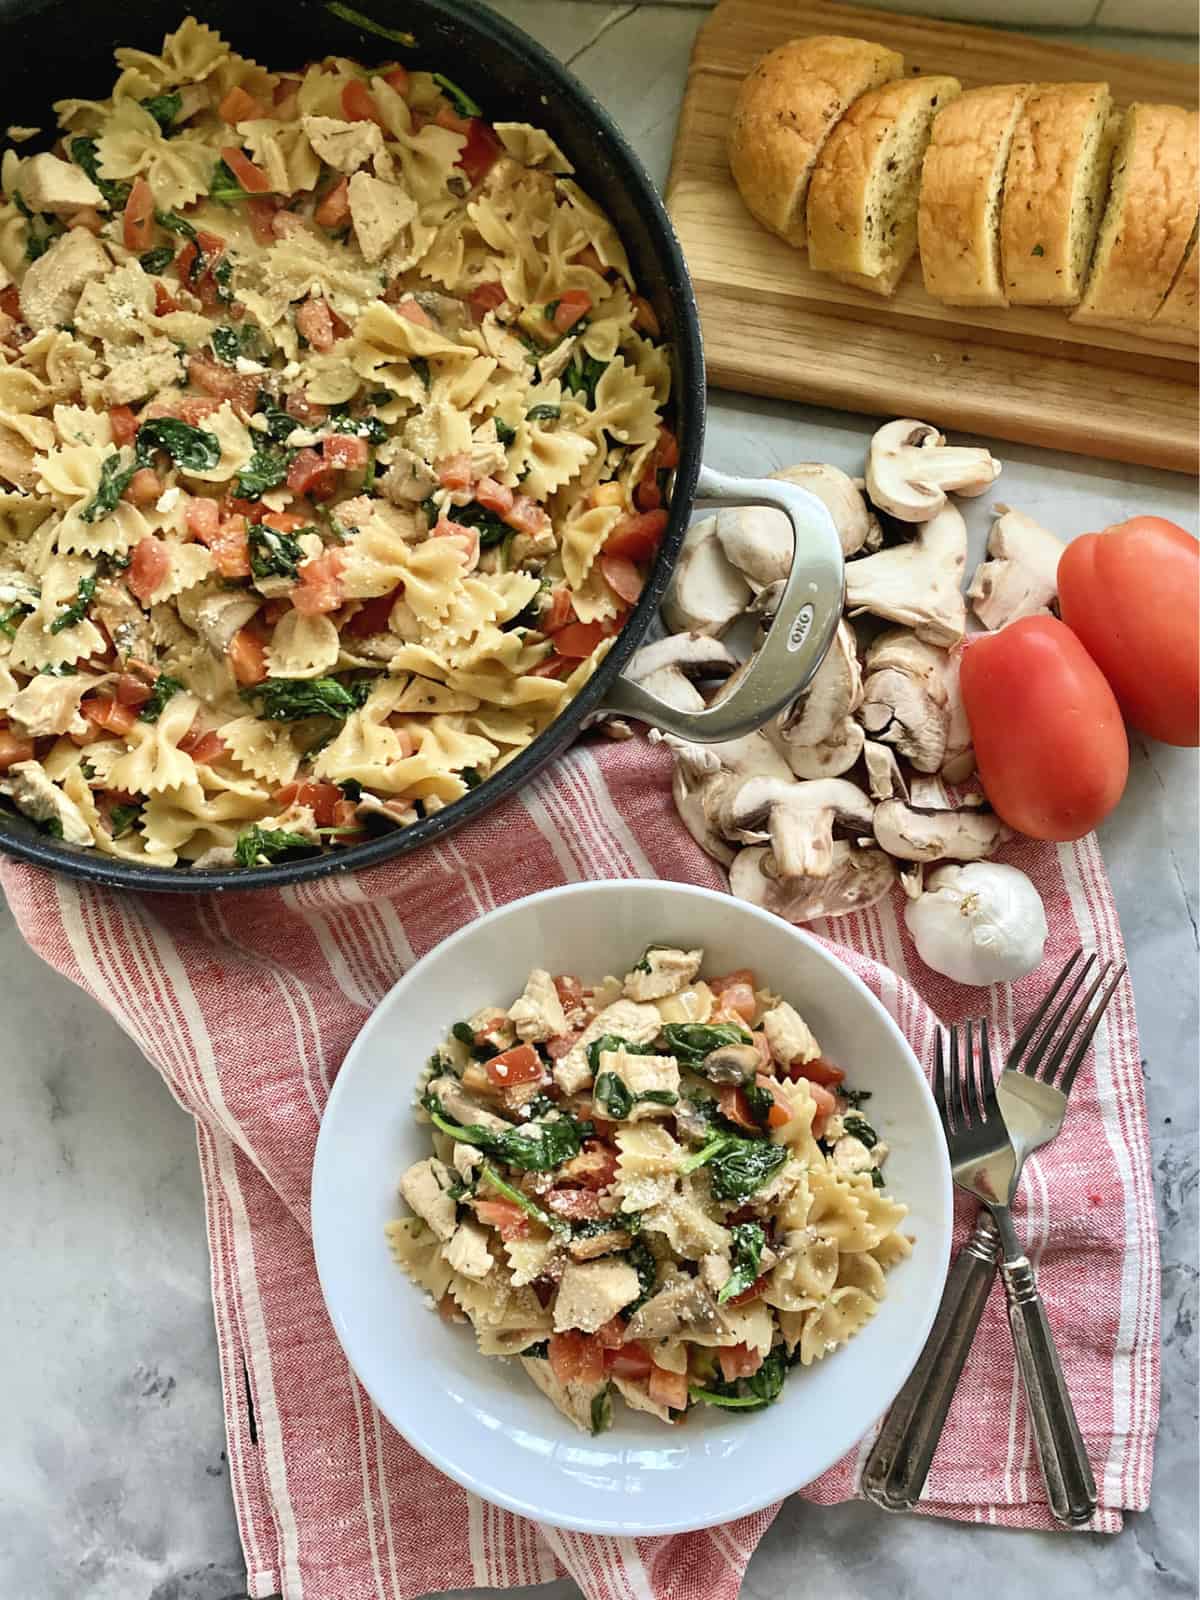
332, 453
483, 1421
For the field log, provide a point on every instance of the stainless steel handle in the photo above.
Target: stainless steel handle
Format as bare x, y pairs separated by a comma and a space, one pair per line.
799, 636
1065, 1466
898, 1464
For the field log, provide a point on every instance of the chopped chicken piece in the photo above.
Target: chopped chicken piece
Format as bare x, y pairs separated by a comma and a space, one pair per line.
33, 793
851, 1155
379, 211
644, 1075
573, 1399
662, 971
424, 1187
466, 1159
51, 287
408, 480
590, 1245
468, 1251
48, 705
47, 183
634, 1023
538, 1014
788, 1035
592, 1292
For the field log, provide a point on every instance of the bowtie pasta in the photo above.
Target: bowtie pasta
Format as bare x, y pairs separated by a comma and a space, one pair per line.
656, 1187
332, 453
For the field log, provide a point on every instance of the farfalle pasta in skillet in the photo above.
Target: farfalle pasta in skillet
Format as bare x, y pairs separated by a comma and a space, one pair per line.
331, 453
655, 1187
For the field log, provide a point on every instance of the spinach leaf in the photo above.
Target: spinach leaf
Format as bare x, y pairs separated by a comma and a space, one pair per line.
537, 1352
531, 1146
612, 1096
471, 776
267, 844
461, 100
164, 687
854, 1097
491, 530
77, 610
122, 818
748, 1394
157, 261
759, 1101
504, 433
488, 1174
602, 1412
230, 343
582, 376
480, 1050
748, 1242
369, 428
641, 1258
543, 413
38, 239
224, 188
85, 154
9, 618
51, 825
280, 423
743, 1166
114, 480
690, 1042
174, 223
608, 1042
223, 278
861, 1130
164, 108
368, 24
273, 554
266, 469
292, 699
421, 367
192, 449
877, 1178
64, 669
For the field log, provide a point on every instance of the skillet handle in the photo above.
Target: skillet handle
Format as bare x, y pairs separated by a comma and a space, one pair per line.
804, 624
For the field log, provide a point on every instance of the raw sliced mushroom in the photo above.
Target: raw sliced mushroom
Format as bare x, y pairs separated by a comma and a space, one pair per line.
706, 773
918, 583
798, 818
858, 877
925, 834
829, 759
758, 540
671, 668
905, 699
857, 526
706, 594
959, 761
910, 467
834, 694
1021, 579
884, 777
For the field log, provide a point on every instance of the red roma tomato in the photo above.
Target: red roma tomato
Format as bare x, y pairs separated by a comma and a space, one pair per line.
1049, 741
1130, 593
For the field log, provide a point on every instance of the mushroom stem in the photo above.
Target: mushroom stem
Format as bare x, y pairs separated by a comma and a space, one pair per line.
910, 467
917, 584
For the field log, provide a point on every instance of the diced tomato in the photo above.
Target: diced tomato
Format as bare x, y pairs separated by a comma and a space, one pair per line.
447, 117
321, 799
595, 1167
164, 303
826, 1106
578, 639
637, 535
223, 383
551, 667
247, 657
645, 320
144, 488
818, 1071
251, 177
231, 549
10, 302
105, 712
781, 1109
526, 516
754, 1292
557, 1047
612, 1335
733, 1105
480, 153
283, 521
204, 748
572, 305
628, 1361
454, 472
668, 1388
397, 78
575, 1356
261, 211
729, 980
314, 323
124, 425
311, 474
148, 566
569, 990
738, 1361
334, 208
298, 405
138, 223
622, 577
647, 496
239, 106
561, 612
132, 691
203, 517
485, 297
320, 588
346, 451
579, 1205
346, 820
413, 311
588, 257
666, 452
373, 617
506, 1217
521, 1064
191, 409
740, 998
13, 749
466, 539
358, 104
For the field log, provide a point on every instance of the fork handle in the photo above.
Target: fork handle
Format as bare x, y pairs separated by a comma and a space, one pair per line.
1065, 1465
896, 1469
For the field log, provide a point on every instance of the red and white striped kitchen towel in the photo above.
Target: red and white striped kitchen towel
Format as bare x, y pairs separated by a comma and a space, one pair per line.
246, 1003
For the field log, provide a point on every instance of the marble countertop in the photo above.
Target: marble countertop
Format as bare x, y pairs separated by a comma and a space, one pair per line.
113, 1481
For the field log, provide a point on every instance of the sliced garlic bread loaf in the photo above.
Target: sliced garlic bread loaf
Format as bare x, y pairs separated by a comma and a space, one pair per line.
962, 182
1150, 216
1054, 192
785, 111
1181, 308
862, 201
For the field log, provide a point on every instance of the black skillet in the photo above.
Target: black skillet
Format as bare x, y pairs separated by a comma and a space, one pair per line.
59, 48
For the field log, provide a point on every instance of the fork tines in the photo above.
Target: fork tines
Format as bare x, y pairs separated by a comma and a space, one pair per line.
1045, 1042
969, 1098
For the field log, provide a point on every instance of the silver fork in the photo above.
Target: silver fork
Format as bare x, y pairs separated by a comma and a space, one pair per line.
1033, 1107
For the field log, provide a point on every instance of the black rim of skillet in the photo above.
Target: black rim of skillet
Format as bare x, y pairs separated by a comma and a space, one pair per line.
609, 170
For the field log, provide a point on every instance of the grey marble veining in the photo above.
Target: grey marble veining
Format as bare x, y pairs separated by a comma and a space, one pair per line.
113, 1482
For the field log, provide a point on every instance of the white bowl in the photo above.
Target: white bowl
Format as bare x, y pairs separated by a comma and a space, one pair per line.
480, 1420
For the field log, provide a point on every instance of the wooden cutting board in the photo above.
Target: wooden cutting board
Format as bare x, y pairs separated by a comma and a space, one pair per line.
772, 326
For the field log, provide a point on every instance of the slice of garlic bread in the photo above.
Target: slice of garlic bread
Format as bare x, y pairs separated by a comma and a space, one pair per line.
1150, 216
962, 184
1054, 192
862, 201
1181, 308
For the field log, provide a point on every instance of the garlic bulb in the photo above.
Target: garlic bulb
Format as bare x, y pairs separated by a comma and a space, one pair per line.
979, 924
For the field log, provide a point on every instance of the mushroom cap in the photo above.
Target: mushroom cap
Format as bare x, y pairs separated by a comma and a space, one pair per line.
858, 878
835, 692
800, 818
758, 541
670, 667
842, 499
706, 594
905, 698
910, 467
919, 583
832, 757
731, 1063
690, 791
885, 779
1021, 579
911, 834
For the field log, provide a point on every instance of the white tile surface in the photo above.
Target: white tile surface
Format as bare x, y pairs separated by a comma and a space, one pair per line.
112, 1481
